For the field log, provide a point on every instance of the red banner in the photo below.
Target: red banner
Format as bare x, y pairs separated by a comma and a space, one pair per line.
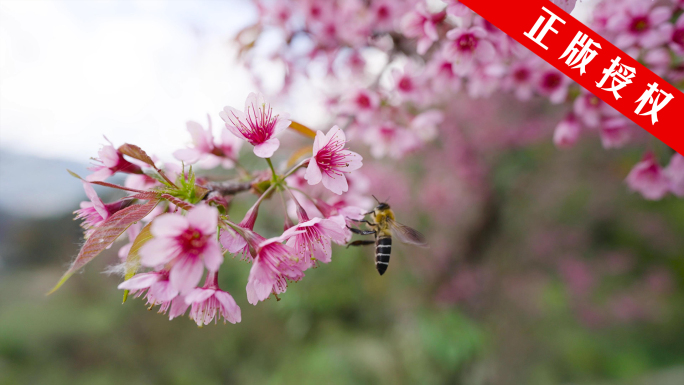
593, 62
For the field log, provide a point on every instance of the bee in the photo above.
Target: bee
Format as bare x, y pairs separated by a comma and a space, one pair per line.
383, 226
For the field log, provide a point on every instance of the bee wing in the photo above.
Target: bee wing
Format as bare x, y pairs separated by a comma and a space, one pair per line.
406, 234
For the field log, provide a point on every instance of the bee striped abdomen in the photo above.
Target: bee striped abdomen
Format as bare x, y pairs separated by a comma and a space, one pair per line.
383, 247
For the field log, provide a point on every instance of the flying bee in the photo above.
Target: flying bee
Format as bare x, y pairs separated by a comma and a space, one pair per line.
383, 226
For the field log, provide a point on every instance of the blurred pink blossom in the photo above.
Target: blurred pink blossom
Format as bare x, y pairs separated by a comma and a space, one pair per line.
647, 178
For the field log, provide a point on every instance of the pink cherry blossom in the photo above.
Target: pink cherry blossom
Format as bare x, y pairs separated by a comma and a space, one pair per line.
389, 139
675, 174
186, 243
443, 79
95, 212
112, 161
273, 265
408, 84
330, 161
156, 284
615, 133
425, 125
567, 133
422, 24
361, 103
521, 78
204, 148
637, 24
257, 124
648, 178
313, 242
553, 84
677, 40
467, 48
211, 303
589, 108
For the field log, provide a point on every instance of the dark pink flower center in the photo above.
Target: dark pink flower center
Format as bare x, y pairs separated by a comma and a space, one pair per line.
363, 101
387, 132
192, 241
467, 42
551, 81
405, 84
447, 69
260, 124
331, 158
383, 12
678, 36
521, 74
639, 24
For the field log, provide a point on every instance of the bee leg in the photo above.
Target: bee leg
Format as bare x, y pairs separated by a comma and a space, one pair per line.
362, 221
364, 242
361, 232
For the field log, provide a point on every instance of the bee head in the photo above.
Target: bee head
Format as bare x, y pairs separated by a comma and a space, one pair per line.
382, 206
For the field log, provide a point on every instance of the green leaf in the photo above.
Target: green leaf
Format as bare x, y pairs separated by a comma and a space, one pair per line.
105, 235
133, 258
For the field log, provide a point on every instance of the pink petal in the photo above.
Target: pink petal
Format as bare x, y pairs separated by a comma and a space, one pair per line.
140, 281
232, 241
213, 258
254, 100
266, 149
282, 123
168, 225
323, 251
158, 251
163, 291
333, 229
335, 183
203, 139
204, 218
354, 161
430, 31
231, 311
319, 142
313, 173
109, 156
198, 295
455, 33
260, 283
335, 134
659, 15
186, 274
187, 155
100, 175
97, 202
485, 51
424, 45
178, 308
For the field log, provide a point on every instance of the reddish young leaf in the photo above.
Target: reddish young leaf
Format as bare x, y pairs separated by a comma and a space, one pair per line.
146, 195
105, 235
136, 152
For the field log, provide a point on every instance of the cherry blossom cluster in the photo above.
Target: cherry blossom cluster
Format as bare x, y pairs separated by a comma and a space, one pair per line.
393, 69
184, 230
